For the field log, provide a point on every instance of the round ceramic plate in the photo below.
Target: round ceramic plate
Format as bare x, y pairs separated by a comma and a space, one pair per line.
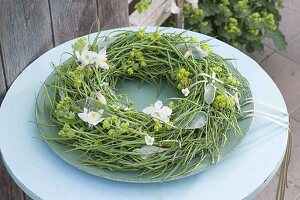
142, 95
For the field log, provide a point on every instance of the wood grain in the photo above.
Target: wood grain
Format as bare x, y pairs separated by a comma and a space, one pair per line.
179, 19
113, 13
2, 80
28, 28
8, 189
25, 33
72, 18
154, 16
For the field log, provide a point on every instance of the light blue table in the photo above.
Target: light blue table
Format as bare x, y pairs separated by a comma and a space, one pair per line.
42, 175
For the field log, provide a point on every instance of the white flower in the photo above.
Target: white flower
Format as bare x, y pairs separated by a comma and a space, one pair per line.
127, 109
185, 91
92, 117
85, 57
149, 140
101, 59
103, 84
158, 111
188, 53
101, 98
116, 106
89, 57
193, 2
174, 8
237, 101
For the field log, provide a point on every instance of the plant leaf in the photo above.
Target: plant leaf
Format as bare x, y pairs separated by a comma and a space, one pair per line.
199, 120
209, 93
147, 151
79, 44
90, 104
196, 50
278, 39
107, 42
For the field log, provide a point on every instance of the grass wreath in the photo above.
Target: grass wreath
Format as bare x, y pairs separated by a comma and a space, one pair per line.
162, 142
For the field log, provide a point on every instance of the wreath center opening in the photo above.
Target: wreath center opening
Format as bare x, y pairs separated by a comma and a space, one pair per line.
145, 93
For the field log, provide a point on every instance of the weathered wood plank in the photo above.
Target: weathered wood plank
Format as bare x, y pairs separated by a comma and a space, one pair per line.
72, 18
2, 79
113, 13
179, 19
25, 33
8, 189
26, 197
155, 16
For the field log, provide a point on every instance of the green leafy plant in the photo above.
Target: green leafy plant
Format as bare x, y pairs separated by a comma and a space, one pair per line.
160, 142
143, 5
241, 23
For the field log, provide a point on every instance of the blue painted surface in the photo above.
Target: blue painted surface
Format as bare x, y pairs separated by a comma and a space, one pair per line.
42, 175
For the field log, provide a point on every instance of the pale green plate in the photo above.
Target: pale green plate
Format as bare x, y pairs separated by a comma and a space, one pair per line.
143, 95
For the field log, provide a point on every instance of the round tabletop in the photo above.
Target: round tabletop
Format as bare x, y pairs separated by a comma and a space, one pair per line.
43, 175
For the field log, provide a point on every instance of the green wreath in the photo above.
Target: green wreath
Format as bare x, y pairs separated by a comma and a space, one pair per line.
159, 141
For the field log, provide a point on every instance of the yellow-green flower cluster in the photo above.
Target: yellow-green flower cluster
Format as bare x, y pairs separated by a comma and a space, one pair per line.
77, 76
232, 28
241, 23
187, 7
115, 125
109, 122
137, 54
217, 69
157, 126
224, 9
222, 102
171, 104
66, 132
241, 6
197, 13
269, 20
130, 71
194, 40
155, 36
204, 23
255, 19
232, 81
183, 78
206, 47
124, 127
225, 2
63, 111
130, 103
136, 59
254, 32
141, 34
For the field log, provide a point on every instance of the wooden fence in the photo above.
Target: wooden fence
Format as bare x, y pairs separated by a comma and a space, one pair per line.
28, 28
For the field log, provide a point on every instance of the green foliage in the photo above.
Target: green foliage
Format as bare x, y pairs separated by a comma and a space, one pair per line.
241, 23
64, 112
79, 44
143, 5
66, 132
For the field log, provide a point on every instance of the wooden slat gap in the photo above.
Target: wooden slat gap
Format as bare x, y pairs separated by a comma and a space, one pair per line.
51, 23
3, 68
